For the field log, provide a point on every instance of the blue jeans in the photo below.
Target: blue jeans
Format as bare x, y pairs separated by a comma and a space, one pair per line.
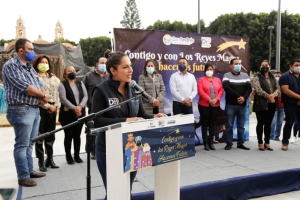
101, 163
26, 121
277, 123
292, 113
239, 112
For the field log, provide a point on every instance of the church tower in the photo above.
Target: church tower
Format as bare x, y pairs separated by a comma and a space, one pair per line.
59, 32
20, 29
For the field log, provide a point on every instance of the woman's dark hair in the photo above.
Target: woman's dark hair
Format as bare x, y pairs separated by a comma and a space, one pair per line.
37, 62
267, 61
207, 65
113, 61
145, 66
107, 53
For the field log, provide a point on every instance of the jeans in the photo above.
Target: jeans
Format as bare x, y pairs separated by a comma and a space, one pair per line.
25, 121
179, 108
239, 112
292, 113
277, 123
101, 163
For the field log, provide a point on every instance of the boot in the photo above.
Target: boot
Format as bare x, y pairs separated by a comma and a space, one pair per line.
42, 166
50, 162
69, 159
77, 143
211, 137
204, 137
206, 147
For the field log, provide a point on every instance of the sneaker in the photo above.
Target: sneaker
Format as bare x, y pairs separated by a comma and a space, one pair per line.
293, 140
243, 147
28, 182
228, 147
285, 147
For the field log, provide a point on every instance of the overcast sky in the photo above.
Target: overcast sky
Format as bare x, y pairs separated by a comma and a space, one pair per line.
92, 18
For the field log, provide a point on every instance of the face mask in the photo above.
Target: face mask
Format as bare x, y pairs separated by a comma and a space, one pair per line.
182, 67
237, 68
30, 56
277, 78
297, 70
72, 75
264, 69
43, 67
150, 70
102, 67
209, 73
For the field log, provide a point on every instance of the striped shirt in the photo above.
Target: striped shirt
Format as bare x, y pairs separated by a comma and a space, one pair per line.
16, 79
236, 86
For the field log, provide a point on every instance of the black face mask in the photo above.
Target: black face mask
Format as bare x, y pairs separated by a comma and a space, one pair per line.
264, 69
72, 75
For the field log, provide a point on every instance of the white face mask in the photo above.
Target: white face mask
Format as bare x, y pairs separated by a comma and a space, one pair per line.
209, 73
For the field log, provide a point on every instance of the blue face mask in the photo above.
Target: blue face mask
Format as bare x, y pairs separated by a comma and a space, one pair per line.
182, 67
150, 70
30, 56
102, 67
237, 68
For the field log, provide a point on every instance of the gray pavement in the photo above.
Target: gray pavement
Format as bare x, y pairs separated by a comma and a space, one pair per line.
201, 168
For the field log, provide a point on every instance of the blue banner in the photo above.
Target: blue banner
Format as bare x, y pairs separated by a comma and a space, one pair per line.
147, 148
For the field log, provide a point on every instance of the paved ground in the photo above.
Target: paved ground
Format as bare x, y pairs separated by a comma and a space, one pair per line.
8, 174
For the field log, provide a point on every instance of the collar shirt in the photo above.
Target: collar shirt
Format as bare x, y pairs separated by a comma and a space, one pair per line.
183, 86
16, 79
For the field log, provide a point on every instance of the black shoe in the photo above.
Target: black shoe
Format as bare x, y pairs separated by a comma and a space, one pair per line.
42, 166
211, 145
70, 160
78, 159
243, 147
50, 162
228, 147
206, 146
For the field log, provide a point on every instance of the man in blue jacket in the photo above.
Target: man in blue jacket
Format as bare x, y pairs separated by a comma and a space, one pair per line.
290, 87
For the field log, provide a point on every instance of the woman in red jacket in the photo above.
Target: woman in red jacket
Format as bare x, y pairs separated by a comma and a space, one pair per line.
210, 92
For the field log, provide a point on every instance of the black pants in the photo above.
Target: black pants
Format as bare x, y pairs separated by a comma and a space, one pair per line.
73, 133
208, 117
47, 124
264, 120
179, 108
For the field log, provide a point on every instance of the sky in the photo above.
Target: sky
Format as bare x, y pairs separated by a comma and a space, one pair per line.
93, 18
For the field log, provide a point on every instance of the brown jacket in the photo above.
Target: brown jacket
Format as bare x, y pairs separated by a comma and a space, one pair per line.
158, 92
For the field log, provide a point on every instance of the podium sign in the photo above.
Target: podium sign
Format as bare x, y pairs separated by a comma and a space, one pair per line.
158, 144
167, 140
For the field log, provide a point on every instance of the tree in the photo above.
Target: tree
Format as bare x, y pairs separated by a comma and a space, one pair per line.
255, 26
62, 40
131, 18
176, 26
2, 41
94, 48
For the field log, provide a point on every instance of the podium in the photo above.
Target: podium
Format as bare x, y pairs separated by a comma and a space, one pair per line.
170, 138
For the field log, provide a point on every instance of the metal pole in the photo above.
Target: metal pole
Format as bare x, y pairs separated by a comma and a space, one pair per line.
278, 36
270, 48
199, 28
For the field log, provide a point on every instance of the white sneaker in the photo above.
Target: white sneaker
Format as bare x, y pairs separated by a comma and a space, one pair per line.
293, 140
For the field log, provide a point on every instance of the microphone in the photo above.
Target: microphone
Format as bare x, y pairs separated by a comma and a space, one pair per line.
135, 86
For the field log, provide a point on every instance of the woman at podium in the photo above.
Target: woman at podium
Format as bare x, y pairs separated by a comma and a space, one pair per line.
110, 93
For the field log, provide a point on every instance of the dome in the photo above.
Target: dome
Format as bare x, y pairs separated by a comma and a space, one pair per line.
40, 41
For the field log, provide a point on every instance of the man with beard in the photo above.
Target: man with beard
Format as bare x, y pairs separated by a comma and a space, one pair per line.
290, 87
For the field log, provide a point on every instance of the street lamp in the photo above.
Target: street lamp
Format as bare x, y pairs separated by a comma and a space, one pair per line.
270, 48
